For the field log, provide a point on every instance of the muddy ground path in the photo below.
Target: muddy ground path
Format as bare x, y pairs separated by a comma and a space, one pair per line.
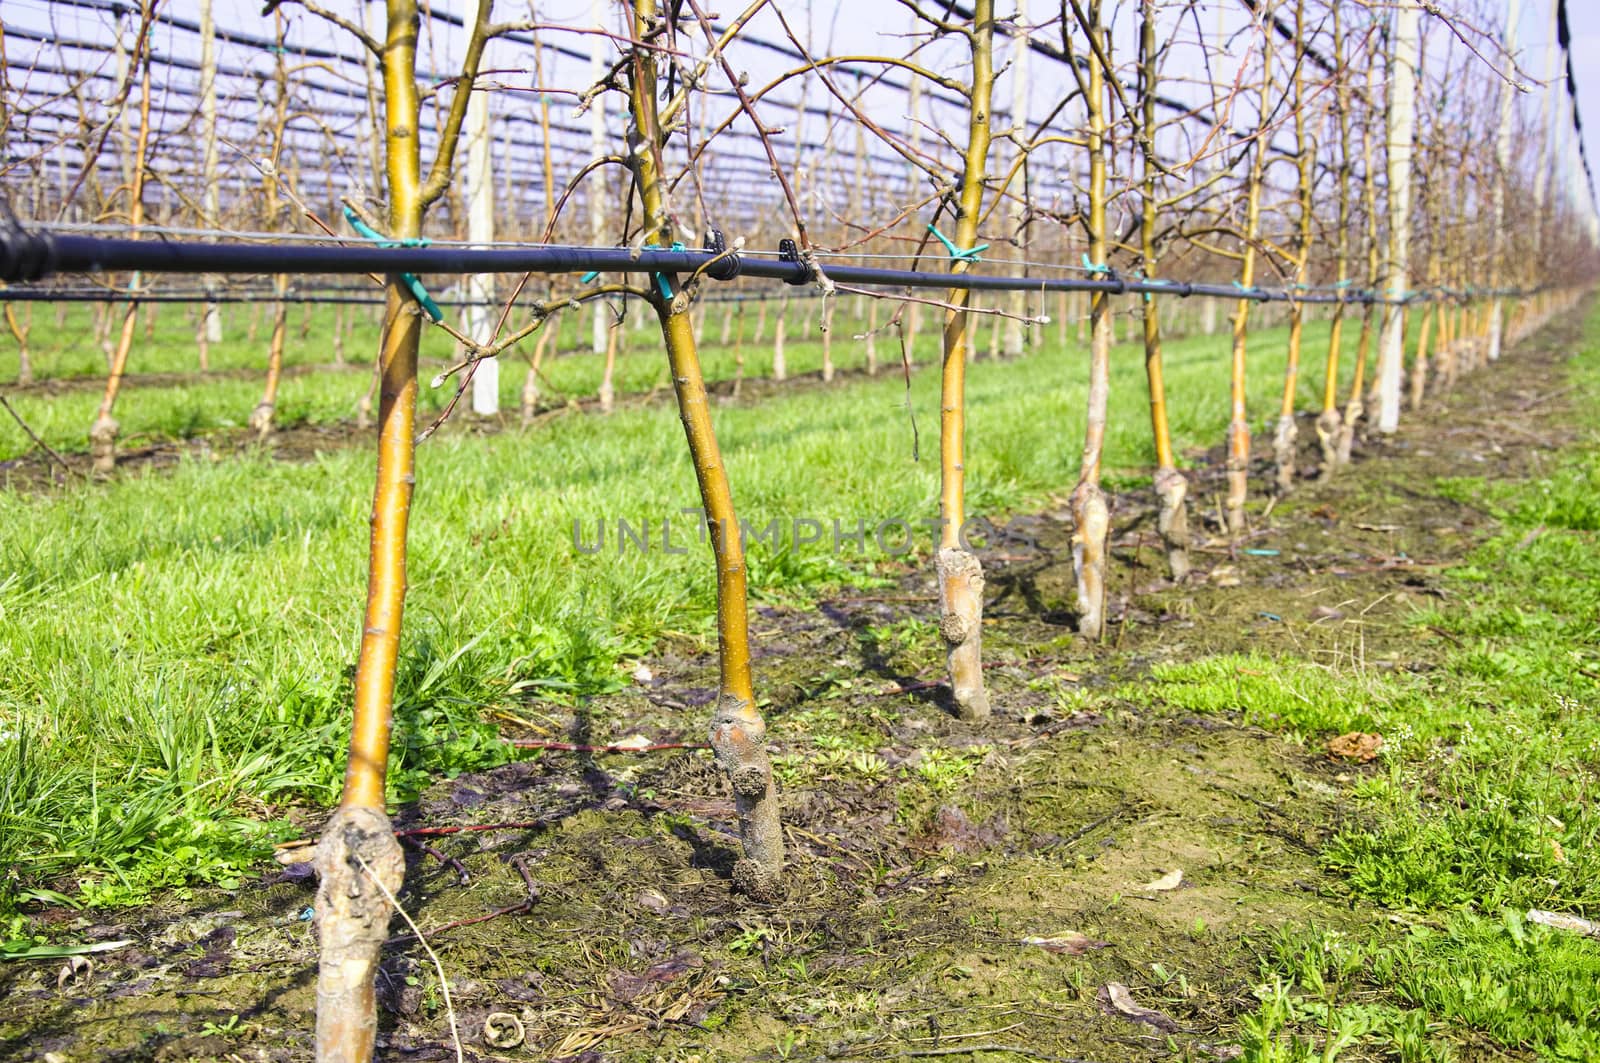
954, 889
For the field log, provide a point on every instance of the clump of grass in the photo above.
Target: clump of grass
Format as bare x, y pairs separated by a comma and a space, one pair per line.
1486, 811
225, 596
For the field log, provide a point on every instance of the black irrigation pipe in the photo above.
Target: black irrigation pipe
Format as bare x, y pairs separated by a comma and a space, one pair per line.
324, 297
32, 256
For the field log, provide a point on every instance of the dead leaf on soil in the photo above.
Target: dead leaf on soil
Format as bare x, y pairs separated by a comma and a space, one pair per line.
1224, 576
1116, 1000
1170, 881
1071, 943
502, 1029
1357, 746
74, 966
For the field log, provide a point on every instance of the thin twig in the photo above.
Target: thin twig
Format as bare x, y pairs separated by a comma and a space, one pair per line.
41, 444
575, 747
472, 828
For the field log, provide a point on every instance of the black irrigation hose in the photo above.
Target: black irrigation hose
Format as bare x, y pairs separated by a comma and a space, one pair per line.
32, 256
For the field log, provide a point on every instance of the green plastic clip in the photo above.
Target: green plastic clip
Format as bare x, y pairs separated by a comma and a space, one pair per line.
957, 254
662, 284
410, 280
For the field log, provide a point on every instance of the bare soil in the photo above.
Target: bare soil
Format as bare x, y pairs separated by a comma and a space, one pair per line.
958, 889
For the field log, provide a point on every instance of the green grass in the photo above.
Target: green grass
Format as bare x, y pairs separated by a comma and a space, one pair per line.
1484, 807
322, 394
179, 645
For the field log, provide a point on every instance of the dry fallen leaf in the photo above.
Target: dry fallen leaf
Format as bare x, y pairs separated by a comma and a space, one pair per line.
503, 1029
631, 742
643, 674
1357, 746
1224, 576
1170, 881
1071, 942
1116, 1000
74, 966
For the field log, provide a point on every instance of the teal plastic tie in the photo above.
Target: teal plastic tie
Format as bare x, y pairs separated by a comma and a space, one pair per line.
590, 277
662, 284
1094, 267
410, 280
957, 254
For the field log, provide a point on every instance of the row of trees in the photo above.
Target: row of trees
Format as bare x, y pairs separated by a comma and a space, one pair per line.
1285, 146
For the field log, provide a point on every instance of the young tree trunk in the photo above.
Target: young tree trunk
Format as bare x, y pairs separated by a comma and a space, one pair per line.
827, 339
872, 338
1238, 464
338, 335
1354, 407
530, 382
1419, 364
1091, 514
738, 351
959, 572
261, 417
358, 859
607, 390
1016, 337
780, 368
1401, 123
479, 287
737, 729
19, 332
1171, 488
1502, 155
1286, 438
103, 433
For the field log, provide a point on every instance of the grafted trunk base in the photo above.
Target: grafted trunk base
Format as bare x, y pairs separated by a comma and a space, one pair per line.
1347, 430
1238, 469
1091, 524
1172, 520
352, 920
737, 731
103, 444
1329, 423
530, 396
1284, 441
961, 625
261, 419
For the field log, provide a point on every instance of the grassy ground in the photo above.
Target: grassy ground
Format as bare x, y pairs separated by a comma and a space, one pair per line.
994, 892
166, 399
197, 627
